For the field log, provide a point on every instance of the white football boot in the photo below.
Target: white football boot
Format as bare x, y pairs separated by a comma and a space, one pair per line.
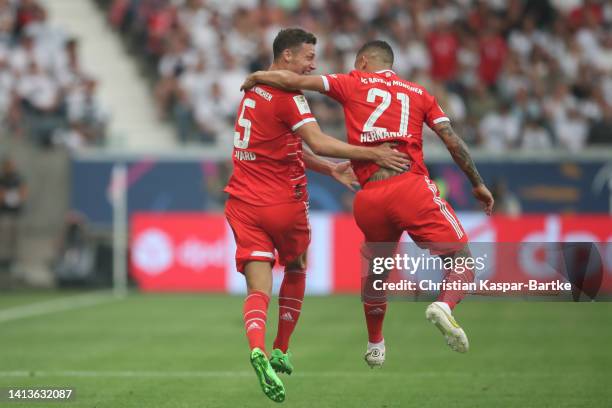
375, 354
441, 316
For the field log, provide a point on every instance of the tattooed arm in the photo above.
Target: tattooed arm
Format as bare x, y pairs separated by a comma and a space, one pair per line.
459, 151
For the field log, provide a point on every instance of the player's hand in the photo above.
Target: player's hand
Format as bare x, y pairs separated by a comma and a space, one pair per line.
343, 173
482, 194
390, 158
249, 82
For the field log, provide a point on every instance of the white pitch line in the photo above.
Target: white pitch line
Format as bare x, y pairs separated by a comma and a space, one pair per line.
124, 374
213, 374
54, 306
248, 373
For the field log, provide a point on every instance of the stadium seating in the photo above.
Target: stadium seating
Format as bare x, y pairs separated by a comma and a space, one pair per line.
512, 75
45, 93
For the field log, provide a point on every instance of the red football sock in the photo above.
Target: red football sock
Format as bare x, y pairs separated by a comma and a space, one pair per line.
254, 313
375, 316
453, 297
374, 307
290, 299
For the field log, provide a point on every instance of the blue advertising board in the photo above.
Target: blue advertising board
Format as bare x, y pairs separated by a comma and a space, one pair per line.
195, 185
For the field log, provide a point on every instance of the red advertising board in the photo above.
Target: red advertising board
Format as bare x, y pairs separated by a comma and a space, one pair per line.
179, 252
194, 251
347, 242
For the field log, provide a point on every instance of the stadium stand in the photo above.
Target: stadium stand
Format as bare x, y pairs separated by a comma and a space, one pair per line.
44, 92
512, 75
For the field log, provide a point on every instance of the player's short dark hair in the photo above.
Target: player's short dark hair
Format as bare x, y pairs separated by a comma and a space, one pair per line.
381, 47
291, 38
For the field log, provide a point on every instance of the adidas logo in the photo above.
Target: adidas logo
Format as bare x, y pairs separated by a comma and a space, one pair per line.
252, 326
287, 316
376, 311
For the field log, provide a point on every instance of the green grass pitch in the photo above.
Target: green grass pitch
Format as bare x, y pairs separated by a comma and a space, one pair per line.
190, 351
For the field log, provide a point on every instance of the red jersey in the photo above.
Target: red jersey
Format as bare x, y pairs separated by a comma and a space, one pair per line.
268, 160
443, 48
493, 52
382, 107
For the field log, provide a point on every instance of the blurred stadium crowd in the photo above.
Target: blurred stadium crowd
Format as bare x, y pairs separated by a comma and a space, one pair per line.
511, 74
44, 92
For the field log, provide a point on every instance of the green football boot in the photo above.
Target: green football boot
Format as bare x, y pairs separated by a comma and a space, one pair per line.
281, 362
271, 385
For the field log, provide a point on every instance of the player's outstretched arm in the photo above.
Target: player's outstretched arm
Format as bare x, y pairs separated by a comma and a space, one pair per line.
342, 172
285, 80
321, 144
460, 153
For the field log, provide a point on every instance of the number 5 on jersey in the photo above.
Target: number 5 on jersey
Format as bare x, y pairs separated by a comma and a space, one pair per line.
242, 141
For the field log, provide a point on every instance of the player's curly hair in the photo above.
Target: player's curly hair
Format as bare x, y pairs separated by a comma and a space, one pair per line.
291, 38
382, 48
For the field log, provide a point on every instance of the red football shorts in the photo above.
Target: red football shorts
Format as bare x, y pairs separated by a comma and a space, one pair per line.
407, 202
259, 230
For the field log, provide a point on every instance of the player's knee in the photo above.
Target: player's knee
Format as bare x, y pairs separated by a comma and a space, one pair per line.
297, 263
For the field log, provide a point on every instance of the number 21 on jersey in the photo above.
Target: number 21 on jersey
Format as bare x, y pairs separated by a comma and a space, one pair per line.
375, 93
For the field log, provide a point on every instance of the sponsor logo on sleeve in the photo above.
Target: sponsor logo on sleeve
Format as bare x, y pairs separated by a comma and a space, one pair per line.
302, 104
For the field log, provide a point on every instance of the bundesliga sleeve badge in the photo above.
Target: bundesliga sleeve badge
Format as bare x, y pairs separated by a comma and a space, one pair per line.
302, 104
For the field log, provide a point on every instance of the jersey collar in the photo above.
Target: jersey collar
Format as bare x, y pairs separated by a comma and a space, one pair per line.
385, 70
